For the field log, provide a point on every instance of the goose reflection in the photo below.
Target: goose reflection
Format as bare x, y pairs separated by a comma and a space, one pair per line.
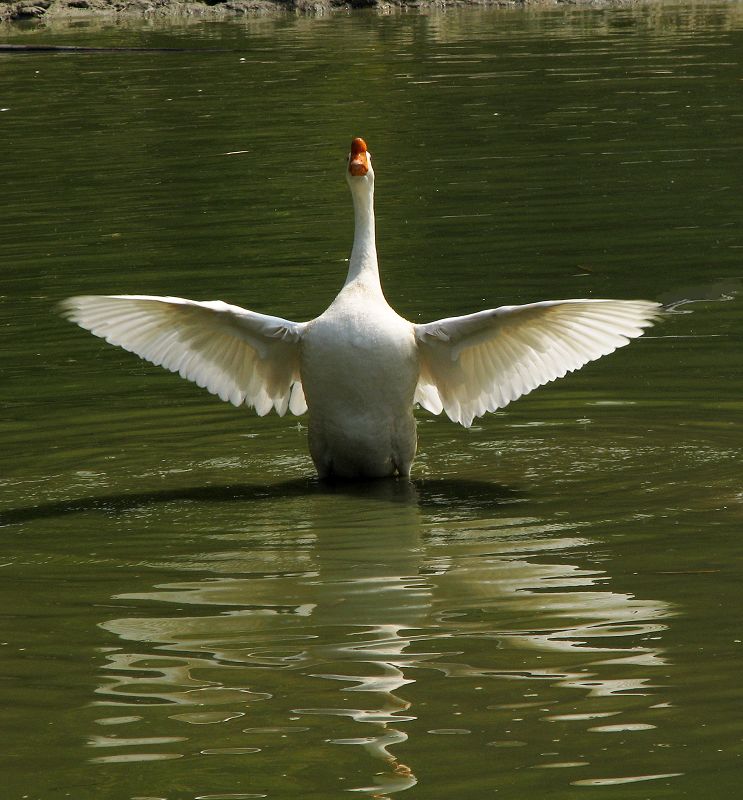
334, 629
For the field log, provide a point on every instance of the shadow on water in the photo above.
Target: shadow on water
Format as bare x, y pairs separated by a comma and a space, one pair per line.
470, 495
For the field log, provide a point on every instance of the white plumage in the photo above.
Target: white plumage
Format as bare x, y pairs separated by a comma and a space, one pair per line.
483, 361
240, 356
359, 367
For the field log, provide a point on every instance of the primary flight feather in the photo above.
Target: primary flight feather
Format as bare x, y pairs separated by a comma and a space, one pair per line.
359, 368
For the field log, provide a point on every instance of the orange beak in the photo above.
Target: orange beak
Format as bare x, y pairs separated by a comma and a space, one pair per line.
358, 164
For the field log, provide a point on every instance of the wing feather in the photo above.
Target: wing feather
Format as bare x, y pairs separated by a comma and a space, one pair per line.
483, 361
239, 355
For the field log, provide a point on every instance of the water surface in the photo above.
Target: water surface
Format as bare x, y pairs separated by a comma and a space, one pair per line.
552, 606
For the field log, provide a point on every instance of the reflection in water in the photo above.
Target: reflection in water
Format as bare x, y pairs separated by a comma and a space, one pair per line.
340, 630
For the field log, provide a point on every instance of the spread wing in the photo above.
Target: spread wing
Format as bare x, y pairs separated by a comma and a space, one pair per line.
483, 361
239, 355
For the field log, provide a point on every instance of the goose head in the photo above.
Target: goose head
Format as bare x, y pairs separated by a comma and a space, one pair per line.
360, 175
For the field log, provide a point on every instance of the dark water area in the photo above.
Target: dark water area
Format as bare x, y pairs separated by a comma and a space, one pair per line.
552, 607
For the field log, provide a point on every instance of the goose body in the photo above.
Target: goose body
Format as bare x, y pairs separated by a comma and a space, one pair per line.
360, 368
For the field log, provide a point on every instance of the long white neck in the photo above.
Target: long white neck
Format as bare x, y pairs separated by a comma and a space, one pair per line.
362, 265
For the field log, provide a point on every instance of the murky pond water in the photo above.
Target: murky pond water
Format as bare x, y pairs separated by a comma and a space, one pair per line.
553, 606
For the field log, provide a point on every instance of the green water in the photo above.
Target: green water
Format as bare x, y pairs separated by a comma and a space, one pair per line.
553, 607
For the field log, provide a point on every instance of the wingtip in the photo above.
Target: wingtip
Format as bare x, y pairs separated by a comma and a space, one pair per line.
66, 308
73, 308
653, 312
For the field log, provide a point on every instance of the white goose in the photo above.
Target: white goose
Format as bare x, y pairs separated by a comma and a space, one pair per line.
360, 368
